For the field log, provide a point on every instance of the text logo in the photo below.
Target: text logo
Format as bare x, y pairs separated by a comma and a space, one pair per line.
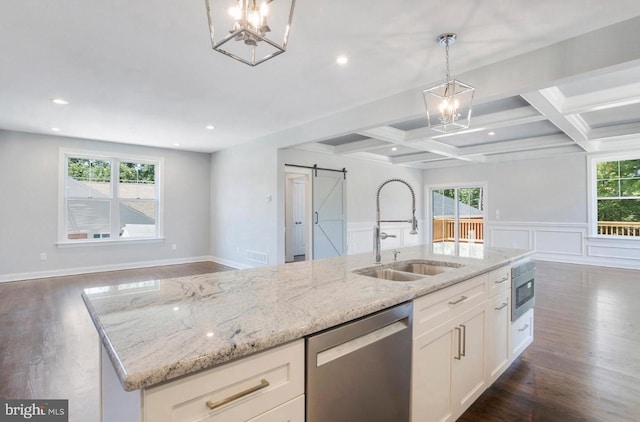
34, 410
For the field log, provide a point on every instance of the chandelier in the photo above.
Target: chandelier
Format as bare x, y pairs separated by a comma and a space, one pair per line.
448, 104
252, 32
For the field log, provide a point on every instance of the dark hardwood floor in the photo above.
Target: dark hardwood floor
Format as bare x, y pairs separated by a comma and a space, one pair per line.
48, 344
584, 364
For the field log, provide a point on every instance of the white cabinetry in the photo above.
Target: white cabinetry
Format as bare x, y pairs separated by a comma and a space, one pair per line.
498, 327
448, 351
265, 387
521, 334
463, 340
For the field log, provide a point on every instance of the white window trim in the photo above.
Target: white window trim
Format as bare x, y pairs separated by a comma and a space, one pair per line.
62, 241
592, 193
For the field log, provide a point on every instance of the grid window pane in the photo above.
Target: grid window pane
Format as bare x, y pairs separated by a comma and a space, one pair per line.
137, 181
138, 218
608, 188
88, 178
88, 219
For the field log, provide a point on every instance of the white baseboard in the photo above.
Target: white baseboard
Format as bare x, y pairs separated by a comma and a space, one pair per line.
230, 263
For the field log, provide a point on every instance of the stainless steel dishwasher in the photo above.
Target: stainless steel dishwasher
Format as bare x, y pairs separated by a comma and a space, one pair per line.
361, 371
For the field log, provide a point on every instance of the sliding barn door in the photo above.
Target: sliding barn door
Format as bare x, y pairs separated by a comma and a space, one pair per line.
329, 214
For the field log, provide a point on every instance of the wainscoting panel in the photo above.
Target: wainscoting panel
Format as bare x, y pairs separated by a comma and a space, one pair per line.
507, 237
360, 236
559, 242
564, 242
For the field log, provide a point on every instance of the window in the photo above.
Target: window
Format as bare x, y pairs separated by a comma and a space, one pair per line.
107, 198
617, 197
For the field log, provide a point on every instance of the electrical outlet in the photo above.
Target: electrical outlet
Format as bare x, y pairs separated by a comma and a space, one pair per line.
174, 246
43, 256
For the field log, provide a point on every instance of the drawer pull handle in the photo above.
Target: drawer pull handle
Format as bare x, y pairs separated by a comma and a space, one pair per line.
214, 405
523, 328
455, 302
501, 280
504, 305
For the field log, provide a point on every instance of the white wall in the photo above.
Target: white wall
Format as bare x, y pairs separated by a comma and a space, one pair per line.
29, 210
243, 218
543, 205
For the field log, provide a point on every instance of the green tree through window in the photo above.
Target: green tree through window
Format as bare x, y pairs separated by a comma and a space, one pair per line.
618, 192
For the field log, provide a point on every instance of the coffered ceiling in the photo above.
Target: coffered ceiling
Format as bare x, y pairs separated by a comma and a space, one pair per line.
592, 114
144, 73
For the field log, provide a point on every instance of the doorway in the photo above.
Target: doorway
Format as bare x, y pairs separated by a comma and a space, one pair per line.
297, 215
457, 220
315, 213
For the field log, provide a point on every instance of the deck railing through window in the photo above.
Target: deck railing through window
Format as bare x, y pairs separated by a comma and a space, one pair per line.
471, 230
618, 228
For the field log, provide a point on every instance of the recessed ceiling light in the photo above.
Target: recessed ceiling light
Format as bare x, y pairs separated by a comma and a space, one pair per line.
55, 129
394, 149
176, 145
211, 127
342, 59
491, 133
60, 101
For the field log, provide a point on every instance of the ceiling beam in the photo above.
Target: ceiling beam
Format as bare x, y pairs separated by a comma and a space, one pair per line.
601, 100
549, 103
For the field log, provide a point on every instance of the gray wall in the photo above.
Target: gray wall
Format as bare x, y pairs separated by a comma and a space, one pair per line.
29, 171
536, 190
242, 216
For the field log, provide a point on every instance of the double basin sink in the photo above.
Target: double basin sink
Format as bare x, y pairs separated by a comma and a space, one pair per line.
411, 270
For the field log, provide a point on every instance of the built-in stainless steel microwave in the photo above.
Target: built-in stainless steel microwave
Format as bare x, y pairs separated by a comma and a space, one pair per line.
522, 289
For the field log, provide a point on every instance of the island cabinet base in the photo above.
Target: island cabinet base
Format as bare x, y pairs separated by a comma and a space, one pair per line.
463, 340
265, 387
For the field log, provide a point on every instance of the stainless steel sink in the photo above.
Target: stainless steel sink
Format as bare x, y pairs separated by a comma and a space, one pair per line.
411, 270
388, 274
425, 267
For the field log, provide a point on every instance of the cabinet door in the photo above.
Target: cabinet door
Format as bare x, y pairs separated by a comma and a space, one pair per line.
467, 379
431, 376
498, 325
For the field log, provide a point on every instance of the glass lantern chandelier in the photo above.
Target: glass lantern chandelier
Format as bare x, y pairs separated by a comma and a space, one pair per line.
448, 104
252, 32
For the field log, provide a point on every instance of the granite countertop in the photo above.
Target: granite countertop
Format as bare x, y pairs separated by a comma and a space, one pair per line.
158, 330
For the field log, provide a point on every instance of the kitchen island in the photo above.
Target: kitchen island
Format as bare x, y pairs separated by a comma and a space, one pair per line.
157, 331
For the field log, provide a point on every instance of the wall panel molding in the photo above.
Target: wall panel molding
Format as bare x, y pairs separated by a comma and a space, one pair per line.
564, 242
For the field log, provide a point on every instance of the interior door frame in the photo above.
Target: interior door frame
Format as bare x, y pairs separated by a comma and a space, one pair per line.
293, 172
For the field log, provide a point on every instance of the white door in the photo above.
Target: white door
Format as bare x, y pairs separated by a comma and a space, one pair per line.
329, 214
298, 216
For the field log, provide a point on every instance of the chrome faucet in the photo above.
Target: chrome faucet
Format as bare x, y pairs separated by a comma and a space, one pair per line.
377, 235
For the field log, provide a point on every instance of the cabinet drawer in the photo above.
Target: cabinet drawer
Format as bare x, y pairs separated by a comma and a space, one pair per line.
244, 389
436, 308
499, 280
291, 411
521, 334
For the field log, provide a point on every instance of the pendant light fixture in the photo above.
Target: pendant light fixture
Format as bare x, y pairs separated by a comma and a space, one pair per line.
448, 104
252, 31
